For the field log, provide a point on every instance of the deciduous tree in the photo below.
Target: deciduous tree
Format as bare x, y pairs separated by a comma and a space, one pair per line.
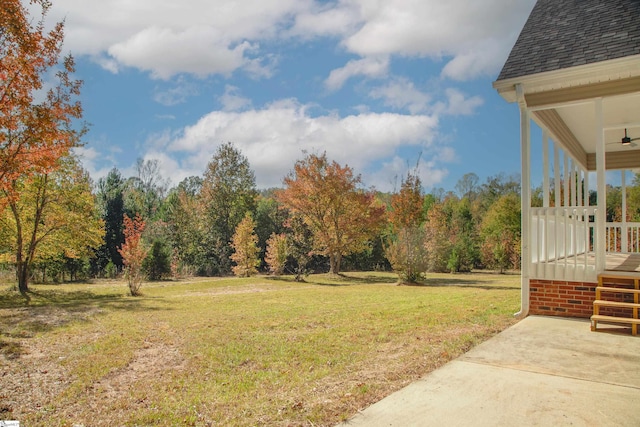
245, 244
228, 193
34, 133
186, 231
54, 215
300, 240
133, 252
341, 216
277, 253
501, 234
406, 250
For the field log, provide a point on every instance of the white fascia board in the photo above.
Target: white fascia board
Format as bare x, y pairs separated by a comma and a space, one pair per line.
628, 66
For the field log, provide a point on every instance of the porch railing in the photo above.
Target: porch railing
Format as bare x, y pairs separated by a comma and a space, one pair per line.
623, 238
563, 242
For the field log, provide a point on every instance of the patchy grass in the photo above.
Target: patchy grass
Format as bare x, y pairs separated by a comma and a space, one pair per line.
259, 351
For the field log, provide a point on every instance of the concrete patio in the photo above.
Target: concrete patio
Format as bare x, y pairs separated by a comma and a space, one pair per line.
543, 371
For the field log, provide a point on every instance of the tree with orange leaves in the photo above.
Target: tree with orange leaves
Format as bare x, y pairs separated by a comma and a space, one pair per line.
406, 248
133, 252
34, 133
341, 216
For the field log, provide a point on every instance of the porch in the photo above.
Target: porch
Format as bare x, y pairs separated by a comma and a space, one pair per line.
564, 241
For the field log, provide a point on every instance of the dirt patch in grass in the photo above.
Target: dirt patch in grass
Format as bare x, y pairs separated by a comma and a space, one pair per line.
234, 290
29, 382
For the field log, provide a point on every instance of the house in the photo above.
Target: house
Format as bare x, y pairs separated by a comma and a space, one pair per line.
574, 72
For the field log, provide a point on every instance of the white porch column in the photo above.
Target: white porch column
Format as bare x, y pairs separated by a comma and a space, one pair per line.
602, 190
545, 169
567, 178
556, 175
525, 191
624, 243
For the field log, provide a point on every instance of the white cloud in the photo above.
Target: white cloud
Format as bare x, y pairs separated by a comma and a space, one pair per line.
401, 93
202, 37
369, 67
273, 138
476, 35
231, 100
482, 59
177, 94
459, 105
166, 37
90, 158
339, 19
166, 52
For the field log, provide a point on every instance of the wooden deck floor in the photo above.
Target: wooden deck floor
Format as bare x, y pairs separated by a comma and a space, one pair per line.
614, 262
623, 262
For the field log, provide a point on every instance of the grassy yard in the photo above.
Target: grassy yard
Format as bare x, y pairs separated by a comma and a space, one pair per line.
259, 351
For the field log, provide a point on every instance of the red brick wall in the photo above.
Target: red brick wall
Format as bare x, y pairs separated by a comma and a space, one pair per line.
561, 298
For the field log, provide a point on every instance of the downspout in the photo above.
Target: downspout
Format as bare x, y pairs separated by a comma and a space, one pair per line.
525, 200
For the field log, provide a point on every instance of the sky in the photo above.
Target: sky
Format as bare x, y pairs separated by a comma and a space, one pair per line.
379, 85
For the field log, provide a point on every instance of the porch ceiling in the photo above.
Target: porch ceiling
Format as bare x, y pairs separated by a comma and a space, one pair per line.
562, 103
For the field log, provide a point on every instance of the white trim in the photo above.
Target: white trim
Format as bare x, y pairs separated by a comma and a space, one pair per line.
628, 66
556, 176
601, 186
525, 192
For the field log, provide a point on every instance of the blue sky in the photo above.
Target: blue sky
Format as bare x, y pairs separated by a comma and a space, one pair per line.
374, 83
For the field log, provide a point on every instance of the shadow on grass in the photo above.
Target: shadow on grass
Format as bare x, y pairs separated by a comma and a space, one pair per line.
462, 283
50, 309
347, 280
344, 279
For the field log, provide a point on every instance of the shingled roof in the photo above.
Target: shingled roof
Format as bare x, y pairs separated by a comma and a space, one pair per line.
566, 33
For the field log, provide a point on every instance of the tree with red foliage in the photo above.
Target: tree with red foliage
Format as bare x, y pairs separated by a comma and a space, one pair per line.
133, 252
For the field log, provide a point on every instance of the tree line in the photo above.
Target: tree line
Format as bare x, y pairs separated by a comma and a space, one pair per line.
56, 224
322, 220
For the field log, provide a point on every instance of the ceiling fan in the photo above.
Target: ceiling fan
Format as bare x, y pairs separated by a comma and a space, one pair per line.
626, 140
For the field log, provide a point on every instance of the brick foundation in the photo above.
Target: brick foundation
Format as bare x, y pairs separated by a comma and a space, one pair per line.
561, 298
572, 299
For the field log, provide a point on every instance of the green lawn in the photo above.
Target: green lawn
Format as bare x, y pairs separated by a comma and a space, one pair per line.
259, 351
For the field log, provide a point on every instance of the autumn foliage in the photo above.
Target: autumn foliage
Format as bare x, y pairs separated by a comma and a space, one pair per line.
277, 253
341, 216
406, 250
55, 215
133, 252
245, 244
34, 133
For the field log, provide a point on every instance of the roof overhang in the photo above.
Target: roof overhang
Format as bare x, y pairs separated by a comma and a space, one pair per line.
561, 102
